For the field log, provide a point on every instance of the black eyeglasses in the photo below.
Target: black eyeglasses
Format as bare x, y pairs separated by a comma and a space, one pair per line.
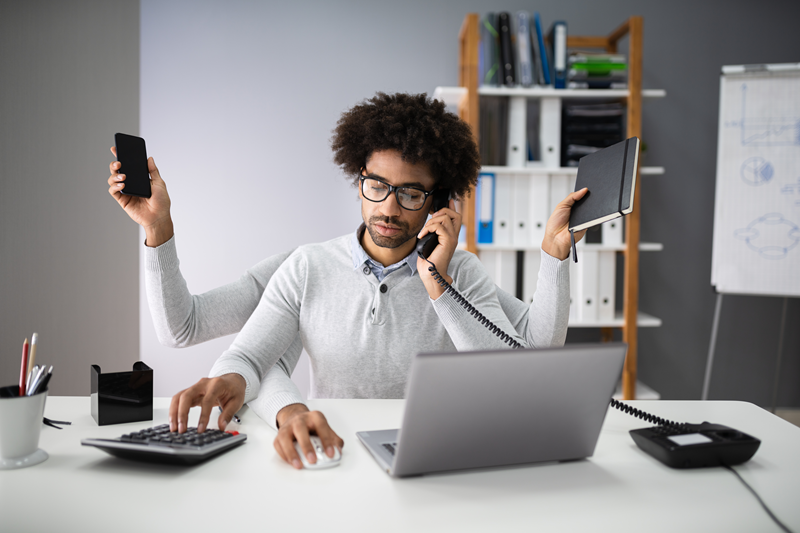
409, 198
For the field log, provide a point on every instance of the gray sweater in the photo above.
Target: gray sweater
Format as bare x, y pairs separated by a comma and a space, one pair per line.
317, 299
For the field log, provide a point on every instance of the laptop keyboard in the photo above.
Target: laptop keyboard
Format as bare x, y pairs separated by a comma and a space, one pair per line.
391, 447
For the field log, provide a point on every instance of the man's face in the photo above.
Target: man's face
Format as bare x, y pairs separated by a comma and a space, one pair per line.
388, 224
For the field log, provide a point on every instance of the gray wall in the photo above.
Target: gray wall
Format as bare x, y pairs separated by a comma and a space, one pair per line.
236, 107
68, 265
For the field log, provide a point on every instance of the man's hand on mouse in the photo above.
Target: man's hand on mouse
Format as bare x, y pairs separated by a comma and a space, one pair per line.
296, 423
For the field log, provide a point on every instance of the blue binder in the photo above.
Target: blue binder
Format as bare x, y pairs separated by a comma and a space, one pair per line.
542, 49
484, 202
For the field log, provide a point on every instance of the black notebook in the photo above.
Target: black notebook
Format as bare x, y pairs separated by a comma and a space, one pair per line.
610, 175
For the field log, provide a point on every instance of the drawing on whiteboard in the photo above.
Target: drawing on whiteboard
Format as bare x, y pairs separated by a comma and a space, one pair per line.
757, 171
767, 130
772, 236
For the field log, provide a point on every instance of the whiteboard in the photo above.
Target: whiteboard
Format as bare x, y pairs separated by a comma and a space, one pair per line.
756, 245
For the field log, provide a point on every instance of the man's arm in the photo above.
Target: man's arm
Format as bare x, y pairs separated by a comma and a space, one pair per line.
182, 319
544, 323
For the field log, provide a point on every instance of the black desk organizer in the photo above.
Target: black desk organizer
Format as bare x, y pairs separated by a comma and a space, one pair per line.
121, 397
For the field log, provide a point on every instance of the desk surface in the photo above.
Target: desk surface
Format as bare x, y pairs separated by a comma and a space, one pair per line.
618, 489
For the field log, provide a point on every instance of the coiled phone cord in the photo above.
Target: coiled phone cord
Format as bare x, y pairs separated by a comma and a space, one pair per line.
505, 337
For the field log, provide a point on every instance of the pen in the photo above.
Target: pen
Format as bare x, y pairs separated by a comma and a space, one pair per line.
23, 370
32, 358
235, 417
43, 383
34, 381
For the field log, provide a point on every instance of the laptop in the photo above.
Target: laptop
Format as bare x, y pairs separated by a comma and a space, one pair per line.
494, 408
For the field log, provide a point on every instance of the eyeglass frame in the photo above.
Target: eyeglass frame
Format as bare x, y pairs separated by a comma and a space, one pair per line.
392, 189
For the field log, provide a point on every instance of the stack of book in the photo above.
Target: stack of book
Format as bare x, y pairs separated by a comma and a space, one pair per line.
597, 71
587, 128
515, 52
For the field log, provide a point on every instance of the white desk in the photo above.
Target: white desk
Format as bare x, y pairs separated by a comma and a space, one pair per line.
618, 489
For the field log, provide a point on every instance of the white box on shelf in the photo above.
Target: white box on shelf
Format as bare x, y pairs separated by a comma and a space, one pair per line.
522, 225
612, 232
503, 208
550, 131
517, 150
502, 268
606, 283
538, 202
559, 189
587, 284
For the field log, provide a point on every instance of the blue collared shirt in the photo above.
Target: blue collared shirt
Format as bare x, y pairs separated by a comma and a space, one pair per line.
361, 260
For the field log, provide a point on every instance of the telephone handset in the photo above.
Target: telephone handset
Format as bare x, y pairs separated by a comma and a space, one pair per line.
426, 245
675, 444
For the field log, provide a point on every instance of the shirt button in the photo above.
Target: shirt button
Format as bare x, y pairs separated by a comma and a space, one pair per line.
384, 288
366, 270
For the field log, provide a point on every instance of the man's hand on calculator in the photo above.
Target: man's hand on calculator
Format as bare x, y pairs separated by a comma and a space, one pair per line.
226, 391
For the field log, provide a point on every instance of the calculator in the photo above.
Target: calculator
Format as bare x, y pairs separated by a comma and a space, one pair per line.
158, 444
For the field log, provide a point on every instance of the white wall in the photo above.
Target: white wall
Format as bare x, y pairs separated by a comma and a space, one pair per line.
238, 100
237, 107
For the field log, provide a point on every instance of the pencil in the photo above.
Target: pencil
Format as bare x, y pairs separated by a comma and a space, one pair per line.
23, 368
32, 358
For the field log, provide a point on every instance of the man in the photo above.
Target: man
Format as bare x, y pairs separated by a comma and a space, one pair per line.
364, 304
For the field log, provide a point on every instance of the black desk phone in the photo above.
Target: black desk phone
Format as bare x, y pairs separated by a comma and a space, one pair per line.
676, 445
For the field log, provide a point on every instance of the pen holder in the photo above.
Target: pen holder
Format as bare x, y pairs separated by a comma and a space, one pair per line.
120, 397
20, 426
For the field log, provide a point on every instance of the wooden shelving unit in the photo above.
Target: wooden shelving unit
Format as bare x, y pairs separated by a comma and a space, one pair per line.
467, 98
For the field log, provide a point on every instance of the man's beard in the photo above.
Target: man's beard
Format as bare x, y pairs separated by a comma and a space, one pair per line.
390, 242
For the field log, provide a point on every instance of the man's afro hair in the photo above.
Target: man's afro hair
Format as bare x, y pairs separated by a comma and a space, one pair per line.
418, 128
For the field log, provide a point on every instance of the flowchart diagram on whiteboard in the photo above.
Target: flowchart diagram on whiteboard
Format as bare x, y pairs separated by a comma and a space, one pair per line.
756, 246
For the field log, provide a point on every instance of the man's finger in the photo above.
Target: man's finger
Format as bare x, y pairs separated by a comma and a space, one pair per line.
114, 150
206, 406
303, 438
155, 175
186, 402
173, 411
329, 438
228, 410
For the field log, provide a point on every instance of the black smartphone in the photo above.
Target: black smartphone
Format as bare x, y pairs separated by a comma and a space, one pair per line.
131, 152
426, 245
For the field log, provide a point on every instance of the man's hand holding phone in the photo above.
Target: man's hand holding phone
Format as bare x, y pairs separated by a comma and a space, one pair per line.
446, 224
153, 213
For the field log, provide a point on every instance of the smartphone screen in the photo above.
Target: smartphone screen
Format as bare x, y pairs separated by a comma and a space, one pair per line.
131, 152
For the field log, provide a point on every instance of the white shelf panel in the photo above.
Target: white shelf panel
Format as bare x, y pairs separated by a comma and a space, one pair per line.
535, 170
643, 321
452, 96
544, 92
643, 247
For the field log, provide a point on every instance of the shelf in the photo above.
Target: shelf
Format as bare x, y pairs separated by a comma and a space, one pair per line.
536, 169
643, 320
643, 247
452, 96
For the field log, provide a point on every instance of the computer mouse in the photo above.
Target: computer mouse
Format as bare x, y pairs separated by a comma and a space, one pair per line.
323, 461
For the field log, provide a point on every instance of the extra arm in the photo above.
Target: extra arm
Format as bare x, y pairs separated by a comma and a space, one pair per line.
544, 323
